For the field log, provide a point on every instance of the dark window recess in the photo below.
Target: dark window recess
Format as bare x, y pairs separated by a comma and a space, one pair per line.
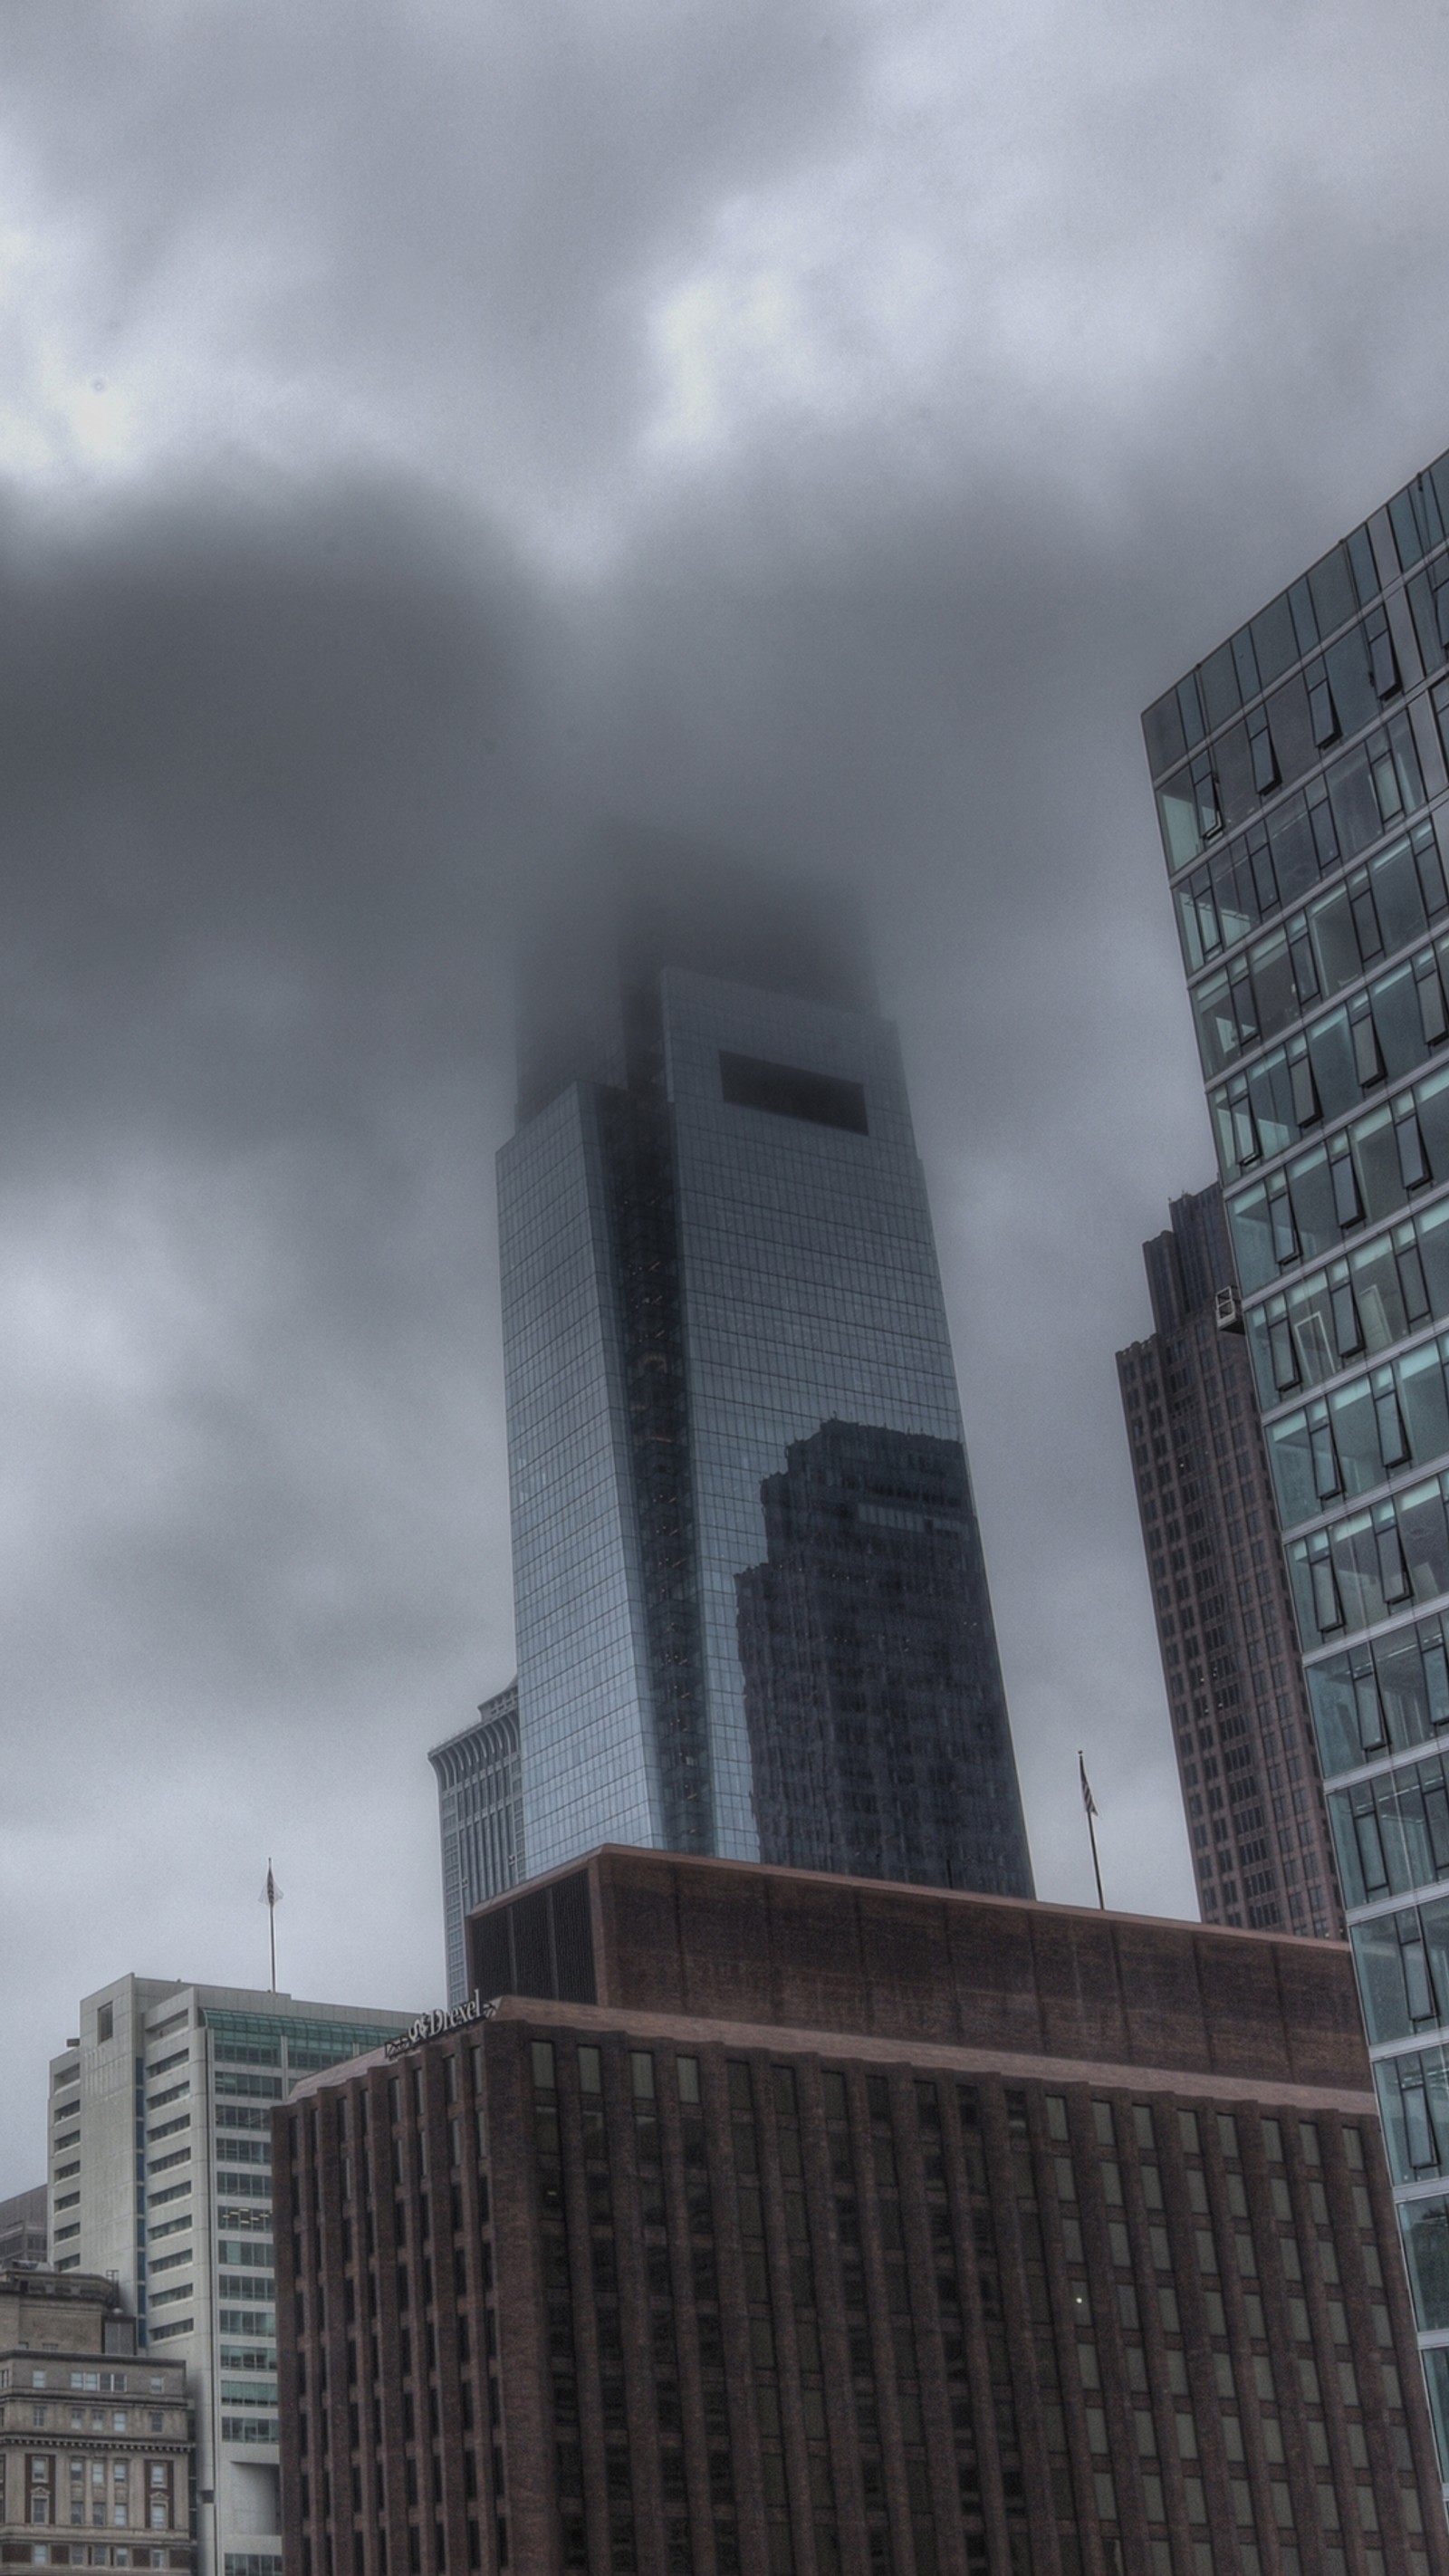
540, 1943
789, 1092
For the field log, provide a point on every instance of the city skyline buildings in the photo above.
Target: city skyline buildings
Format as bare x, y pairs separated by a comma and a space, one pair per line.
714, 1242
160, 2177
1246, 1755
871, 597
1302, 789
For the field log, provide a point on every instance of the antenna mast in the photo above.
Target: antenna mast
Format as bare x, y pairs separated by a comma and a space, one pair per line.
271, 1897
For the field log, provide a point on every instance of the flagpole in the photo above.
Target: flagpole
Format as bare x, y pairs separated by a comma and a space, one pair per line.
1090, 1803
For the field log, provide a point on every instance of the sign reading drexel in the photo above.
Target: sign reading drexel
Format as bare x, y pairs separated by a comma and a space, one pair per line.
432, 2025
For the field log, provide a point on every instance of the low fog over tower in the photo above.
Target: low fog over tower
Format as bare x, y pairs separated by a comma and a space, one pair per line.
719, 1273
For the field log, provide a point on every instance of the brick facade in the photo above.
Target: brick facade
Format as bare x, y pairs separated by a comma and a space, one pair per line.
857, 2229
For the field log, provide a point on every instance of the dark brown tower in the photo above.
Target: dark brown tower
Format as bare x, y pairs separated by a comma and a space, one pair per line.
1230, 1657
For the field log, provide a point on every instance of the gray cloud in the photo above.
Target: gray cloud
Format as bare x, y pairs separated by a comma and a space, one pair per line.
433, 430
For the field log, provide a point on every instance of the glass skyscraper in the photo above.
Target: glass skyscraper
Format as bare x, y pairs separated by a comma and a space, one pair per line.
715, 1243
1304, 798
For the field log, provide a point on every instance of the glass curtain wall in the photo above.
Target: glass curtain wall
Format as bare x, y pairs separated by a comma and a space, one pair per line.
1301, 778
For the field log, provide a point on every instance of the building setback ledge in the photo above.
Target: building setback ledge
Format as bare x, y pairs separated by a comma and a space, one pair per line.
785, 2041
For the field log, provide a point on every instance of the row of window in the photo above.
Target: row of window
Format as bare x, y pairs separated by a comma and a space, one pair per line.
1190, 2126
1361, 1570
1392, 1832
1301, 618
1352, 1309
1316, 953
1381, 1698
1403, 1970
110, 2494
1382, 1035
1348, 1442
1414, 2102
1281, 860
597, 2266
1362, 1176
1291, 625
883, 2164
643, 2074
1369, 788
117, 2419
114, 2383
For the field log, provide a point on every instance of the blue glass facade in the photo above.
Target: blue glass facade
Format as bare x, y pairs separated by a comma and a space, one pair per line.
1304, 797
714, 1241
875, 1710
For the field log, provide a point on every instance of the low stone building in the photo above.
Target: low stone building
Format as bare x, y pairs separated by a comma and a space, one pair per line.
95, 2439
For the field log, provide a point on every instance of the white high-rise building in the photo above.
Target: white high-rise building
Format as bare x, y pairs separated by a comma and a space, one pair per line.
160, 2177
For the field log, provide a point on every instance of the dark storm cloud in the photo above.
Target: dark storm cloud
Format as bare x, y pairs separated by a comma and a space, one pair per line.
816, 432
260, 822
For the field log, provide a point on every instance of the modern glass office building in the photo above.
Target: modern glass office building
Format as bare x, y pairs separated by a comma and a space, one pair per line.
715, 1241
1301, 782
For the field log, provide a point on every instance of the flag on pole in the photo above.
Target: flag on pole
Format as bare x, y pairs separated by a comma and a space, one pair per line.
1090, 1803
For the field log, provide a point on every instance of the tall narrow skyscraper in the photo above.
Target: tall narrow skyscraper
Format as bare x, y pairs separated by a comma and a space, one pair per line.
1250, 1786
1303, 793
716, 1247
480, 1817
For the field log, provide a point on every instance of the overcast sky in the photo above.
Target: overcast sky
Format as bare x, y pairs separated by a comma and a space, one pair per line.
426, 428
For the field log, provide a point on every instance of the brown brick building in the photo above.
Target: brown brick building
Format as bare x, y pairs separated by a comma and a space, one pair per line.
1248, 1765
774, 2225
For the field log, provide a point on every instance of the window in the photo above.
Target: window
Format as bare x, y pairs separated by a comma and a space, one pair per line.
1322, 714
105, 2023
789, 1091
1265, 766
1381, 655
